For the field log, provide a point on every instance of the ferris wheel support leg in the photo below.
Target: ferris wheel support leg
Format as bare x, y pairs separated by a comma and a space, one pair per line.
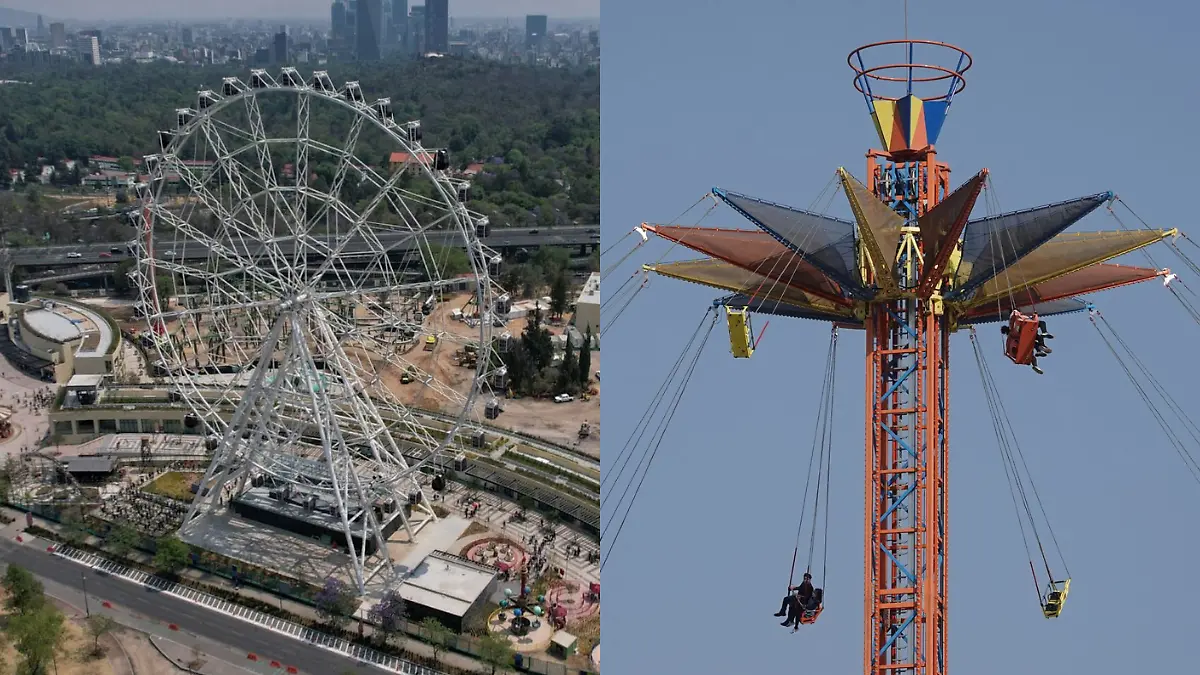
226, 448
337, 455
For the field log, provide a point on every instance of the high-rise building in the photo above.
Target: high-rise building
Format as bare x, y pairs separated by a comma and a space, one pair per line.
41, 29
535, 30
6, 38
58, 35
89, 49
416, 30
337, 28
280, 51
399, 30
437, 26
368, 27
21, 36
186, 36
93, 32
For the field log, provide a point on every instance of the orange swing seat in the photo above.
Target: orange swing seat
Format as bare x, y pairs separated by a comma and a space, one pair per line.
1022, 338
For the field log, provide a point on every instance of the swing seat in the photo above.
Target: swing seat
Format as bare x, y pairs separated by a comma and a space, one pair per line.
1056, 597
741, 340
815, 606
1022, 338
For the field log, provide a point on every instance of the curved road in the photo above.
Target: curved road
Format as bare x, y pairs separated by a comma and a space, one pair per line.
214, 626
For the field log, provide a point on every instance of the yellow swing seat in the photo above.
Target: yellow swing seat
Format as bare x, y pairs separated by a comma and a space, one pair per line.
741, 339
1056, 597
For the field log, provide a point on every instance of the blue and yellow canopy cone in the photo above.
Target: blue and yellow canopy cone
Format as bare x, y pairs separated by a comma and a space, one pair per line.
908, 124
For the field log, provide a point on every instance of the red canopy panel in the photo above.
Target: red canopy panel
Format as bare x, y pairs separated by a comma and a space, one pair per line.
758, 252
1080, 282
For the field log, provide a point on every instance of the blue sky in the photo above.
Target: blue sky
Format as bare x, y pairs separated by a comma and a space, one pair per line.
1065, 99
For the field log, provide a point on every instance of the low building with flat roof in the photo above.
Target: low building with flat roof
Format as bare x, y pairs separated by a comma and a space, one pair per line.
587, 306
448, 588
74, 338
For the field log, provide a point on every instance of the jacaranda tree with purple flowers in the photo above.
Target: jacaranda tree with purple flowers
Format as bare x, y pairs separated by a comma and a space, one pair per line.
336, 602
388, 614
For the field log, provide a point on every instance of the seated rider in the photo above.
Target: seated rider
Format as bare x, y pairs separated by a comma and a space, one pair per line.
796, 601
1039, 345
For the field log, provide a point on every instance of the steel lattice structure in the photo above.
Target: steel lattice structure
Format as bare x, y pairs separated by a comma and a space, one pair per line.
276, 339
911, 269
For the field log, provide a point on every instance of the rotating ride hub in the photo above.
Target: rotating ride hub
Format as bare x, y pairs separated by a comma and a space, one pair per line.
284, 275
910, 269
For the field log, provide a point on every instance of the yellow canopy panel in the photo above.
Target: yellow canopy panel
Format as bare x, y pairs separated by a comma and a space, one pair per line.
1066, 253
722, 275
879, 228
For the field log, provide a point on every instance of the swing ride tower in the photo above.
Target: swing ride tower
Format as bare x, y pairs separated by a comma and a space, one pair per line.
907, 361
911, 269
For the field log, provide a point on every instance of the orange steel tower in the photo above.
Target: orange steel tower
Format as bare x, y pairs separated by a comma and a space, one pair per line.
908, 358
910, 270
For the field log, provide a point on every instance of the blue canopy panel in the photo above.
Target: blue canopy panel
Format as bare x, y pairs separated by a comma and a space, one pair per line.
776, 308
992, 244
996, 314
826, 242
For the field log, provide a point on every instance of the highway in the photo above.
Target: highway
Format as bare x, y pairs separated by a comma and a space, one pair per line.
500, 238
239, 635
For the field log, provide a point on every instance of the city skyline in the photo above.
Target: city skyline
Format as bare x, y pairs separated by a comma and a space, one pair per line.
124, 10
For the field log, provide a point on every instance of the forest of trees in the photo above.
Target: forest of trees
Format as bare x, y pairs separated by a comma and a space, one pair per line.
542, 125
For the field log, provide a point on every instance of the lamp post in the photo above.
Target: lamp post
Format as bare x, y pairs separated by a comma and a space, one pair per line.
86, 608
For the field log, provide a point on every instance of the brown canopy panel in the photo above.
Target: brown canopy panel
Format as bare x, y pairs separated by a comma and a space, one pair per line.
756, 252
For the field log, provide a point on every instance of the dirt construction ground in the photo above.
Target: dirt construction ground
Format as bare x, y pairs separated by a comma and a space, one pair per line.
554, 422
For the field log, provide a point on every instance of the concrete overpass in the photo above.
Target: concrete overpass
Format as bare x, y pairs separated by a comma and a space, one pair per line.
504, 240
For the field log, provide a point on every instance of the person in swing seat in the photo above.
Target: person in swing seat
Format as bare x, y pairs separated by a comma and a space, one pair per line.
795, 602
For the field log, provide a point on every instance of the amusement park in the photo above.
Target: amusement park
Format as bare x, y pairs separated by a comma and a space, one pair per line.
902, 375
319, 412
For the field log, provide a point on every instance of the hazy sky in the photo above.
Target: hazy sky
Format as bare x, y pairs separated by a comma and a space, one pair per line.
1065, 99
224, 9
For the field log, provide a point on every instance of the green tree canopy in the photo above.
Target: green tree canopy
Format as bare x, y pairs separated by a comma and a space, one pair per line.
535, 130
171, 555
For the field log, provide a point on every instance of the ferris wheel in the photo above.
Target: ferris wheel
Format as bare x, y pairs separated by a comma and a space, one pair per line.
299, 251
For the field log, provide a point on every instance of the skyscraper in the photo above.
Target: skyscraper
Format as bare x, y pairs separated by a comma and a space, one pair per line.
535, 30
186, 35
89, 49
400, 24
58, 35
416, 30
337, 27
437, 26
280, 51
41, 29
368, 29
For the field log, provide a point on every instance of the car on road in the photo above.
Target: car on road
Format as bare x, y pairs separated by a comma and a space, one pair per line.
105, 254
74, 254
170, 254
534, 231
116, 250
564, 398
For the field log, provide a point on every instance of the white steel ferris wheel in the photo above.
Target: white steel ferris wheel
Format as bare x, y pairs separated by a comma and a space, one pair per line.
289, 282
